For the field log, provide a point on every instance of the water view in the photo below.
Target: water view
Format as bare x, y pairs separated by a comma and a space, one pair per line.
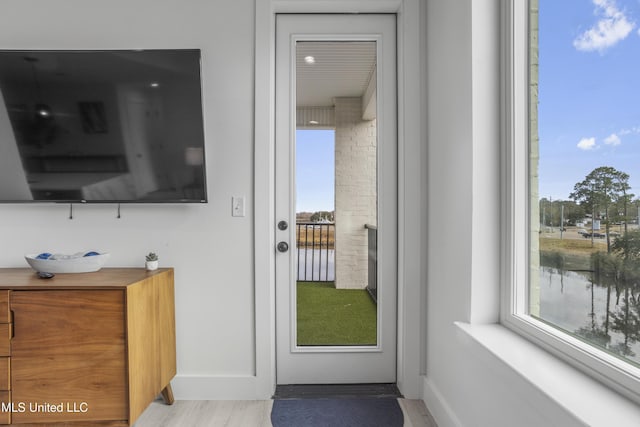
596, 306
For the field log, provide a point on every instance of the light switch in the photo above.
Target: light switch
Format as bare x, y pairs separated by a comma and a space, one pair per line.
237, 206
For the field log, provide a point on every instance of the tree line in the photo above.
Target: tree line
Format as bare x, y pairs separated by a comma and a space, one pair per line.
604, 194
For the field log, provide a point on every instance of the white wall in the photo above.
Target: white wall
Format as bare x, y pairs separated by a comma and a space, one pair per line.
211, 251
355, 192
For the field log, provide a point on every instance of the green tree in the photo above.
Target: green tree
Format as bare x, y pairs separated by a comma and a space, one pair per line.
625, 210
601, 188
627, 320
628, 246
559, 212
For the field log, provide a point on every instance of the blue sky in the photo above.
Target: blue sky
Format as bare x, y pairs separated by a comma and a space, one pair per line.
315, 170
589, 110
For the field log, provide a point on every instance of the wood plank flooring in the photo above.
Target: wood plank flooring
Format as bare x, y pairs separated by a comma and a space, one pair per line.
245, 413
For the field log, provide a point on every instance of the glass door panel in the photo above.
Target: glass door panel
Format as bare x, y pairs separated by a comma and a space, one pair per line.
336, 194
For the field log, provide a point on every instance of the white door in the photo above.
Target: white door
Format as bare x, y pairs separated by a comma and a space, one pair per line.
321, 58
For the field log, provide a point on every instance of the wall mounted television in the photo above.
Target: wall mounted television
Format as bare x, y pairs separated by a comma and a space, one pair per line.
104, 126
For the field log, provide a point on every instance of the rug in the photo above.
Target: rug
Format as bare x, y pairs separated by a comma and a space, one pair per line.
327, 412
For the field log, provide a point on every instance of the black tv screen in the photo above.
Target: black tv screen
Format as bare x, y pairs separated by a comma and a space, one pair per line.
101, 126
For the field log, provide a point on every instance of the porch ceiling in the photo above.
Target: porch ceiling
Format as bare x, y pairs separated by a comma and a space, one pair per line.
340, 69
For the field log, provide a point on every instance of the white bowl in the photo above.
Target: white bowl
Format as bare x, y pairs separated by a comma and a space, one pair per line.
85, 264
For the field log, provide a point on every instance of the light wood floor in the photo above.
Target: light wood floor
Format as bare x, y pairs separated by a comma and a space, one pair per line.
245, 413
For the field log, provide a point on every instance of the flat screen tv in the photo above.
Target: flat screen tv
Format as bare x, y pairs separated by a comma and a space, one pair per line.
101, 126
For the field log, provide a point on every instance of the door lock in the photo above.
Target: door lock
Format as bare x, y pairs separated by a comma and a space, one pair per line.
283, 247
283, 225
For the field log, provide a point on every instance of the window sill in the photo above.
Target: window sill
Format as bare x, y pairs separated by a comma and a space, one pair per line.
594, 404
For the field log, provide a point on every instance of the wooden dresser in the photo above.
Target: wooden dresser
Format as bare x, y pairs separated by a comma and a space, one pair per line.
85, 348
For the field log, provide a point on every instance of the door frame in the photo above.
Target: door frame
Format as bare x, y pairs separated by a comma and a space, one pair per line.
411, 323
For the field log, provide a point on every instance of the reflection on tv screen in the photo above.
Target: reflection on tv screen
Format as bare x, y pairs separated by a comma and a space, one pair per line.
101, 126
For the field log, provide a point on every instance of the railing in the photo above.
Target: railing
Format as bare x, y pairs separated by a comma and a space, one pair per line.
315, 243
372, 273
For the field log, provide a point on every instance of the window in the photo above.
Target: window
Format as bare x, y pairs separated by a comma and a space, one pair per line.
572, 142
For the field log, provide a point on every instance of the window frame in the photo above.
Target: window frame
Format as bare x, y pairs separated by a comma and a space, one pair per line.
515, 234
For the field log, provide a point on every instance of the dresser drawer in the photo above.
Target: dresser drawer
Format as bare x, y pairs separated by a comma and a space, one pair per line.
5, 373
5, 402
5, 339
5, 314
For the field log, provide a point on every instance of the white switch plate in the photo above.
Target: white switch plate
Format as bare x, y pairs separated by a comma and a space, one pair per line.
237, 206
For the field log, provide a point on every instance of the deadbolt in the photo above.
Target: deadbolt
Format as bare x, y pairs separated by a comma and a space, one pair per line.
283, 225
283, 247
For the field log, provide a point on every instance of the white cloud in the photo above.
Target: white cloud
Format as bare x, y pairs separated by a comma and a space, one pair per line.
612, 139
629, 131
609, 30
587, 144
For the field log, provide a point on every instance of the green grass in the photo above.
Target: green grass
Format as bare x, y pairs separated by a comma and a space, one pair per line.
330, 316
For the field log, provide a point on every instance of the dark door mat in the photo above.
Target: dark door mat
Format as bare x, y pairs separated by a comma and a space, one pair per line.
336, 391
328, 412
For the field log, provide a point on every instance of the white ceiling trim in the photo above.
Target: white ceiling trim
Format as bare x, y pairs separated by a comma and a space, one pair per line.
340, 69
315, 118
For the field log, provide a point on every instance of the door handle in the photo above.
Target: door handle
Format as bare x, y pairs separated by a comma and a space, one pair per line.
283, 247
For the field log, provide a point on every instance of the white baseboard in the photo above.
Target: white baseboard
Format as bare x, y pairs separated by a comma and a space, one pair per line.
188, 387
438, 407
